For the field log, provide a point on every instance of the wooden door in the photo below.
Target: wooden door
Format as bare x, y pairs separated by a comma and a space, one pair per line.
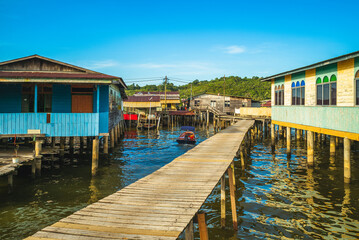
82, 103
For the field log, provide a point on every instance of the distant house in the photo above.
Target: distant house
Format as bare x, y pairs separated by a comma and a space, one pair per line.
39, 95
169, 100
224, 104
142, 104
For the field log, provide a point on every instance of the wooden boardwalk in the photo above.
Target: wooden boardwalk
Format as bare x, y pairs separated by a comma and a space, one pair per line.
158, 206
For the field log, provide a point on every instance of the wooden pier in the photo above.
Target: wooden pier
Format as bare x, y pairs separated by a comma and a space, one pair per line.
163, 204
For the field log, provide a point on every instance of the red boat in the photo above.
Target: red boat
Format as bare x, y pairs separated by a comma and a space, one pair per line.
187, 137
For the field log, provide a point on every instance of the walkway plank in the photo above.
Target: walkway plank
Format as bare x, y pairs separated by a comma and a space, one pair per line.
160, 205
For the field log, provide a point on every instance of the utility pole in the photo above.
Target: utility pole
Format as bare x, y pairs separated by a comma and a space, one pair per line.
165, 93
191, 91
224, 93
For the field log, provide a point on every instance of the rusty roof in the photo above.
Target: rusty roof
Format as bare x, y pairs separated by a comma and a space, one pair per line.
143, 99
56, 75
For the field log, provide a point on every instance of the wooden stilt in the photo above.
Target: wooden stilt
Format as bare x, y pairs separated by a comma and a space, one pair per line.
115, 134
332, 145
105, 144
288, 142
207, 118
310, 148
223, 201
95, 150
233, 198
189, 231
53, 142
202, 226
62, 143
234, 175
112, 138
243, 164
272, 137
118, 133
10, 181
347, 172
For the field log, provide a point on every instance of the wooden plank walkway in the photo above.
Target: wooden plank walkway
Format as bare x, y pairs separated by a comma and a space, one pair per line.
160, 205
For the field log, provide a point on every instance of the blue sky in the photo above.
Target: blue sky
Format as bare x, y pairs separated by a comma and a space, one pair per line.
181, 39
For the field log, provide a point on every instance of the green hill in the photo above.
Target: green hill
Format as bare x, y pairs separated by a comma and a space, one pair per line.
235, 86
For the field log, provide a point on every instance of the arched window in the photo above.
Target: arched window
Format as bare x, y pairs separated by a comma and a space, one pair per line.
298, 93
357, 88
327, 91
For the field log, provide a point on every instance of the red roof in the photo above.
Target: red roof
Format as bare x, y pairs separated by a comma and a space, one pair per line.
56, 75
267, 104
143, 99
170, 93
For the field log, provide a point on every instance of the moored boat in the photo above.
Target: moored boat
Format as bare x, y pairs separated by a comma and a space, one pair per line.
187, 137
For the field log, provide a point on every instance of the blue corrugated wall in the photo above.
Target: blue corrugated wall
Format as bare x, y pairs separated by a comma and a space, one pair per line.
61, 98
10, 98
104, 108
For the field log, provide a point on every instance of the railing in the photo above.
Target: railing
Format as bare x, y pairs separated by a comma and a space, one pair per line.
52, 125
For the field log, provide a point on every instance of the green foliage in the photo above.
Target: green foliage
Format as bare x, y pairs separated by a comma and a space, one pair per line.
234, 86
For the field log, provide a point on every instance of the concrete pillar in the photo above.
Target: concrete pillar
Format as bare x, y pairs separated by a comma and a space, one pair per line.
272, 132
95, 155
347, 174
288, 142
105, 144
332, 145
310, 148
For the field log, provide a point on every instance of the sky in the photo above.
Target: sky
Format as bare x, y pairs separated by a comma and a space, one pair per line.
142, 41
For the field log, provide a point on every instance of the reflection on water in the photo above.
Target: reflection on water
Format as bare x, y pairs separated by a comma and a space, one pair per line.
67, 186
280, 198
277, 198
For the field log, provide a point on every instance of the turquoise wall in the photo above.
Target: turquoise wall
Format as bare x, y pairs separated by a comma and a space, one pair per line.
104, 109
327, 70
298, 77
10, 98
279, 81
336, 118
61, 98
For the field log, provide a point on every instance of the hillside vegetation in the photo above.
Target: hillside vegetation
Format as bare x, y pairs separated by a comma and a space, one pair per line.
234, 86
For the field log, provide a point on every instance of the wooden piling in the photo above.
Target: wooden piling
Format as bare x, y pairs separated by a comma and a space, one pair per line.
234, 175
242, 157
347, 171
95, 154
189, 231
310, 148
105, 144
112, 138
332, 145
202, 226
115, 134
288, 142
223, 201
233, 198
118, 133
10, 181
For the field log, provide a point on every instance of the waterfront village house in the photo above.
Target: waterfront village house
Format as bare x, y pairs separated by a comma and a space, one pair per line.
223, 104
39, 95
169, 100
142, 104
321, 98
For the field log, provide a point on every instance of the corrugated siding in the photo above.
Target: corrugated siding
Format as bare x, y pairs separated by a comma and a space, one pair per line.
336, 118
10, 98
61, 98
62, 124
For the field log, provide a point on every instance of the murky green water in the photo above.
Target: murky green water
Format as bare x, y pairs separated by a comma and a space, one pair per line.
277, 198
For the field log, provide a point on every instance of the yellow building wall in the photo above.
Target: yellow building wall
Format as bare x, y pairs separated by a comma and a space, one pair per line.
345, 83
272, 92
257, 112
288, 90
310, 88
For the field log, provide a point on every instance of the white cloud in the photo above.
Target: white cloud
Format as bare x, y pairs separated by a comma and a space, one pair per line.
103, 64
234, 49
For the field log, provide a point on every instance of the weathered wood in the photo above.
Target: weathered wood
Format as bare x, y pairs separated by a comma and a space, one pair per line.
105, 145
112, 138
288, 142
95, 156
223, 201
332, 145
202, 226
189, 231
310, 148
233, 198
272, 137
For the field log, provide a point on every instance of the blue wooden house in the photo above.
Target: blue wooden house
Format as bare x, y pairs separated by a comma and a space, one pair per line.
42, 96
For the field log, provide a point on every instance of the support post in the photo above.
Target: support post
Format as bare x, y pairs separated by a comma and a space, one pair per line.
62, 143
189, 231
310, 148
272, 131
202, 226
38, 146
115, 131
112, 138
243, 164
223, 200
10, 181
233, 198
53, 142
288, 142
207, 119
105, 144
234, 175
95, 149
347, 174
332, 145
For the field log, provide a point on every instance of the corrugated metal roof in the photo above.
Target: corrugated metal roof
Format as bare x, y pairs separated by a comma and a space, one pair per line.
143, 99
53, 75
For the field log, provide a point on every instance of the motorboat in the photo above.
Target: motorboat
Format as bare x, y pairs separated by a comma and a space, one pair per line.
187, 137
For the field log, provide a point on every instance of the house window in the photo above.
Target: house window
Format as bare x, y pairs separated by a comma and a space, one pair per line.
298, 93
197, 103
357, 88
213, 103
279, 95
227, 103
44, 98
28, 98
327, 90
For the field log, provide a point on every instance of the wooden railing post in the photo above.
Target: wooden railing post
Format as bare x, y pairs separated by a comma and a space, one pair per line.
233, 198
223, 201
202, 226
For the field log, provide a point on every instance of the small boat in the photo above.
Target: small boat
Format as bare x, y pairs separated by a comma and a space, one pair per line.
187, 137
149, 126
